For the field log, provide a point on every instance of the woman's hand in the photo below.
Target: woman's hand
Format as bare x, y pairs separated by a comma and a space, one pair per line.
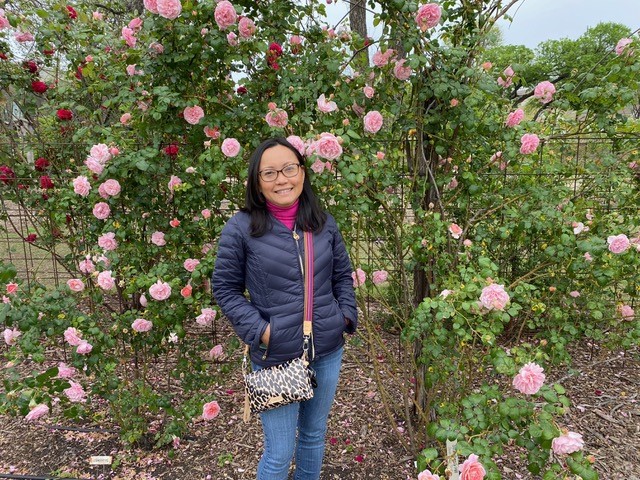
266, 335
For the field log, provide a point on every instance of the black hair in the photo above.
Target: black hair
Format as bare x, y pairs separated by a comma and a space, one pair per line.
310, 216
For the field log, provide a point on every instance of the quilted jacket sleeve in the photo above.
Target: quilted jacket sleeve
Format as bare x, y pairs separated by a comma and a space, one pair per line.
228, 285
341, 279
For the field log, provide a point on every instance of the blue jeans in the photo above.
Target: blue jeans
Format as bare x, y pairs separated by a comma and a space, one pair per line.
308, 419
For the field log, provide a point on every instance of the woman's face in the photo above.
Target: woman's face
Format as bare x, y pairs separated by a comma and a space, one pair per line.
283, 191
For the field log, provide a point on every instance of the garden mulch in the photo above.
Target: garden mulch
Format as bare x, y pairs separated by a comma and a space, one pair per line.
604, 388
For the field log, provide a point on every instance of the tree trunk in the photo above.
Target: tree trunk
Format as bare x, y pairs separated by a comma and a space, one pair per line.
358, 23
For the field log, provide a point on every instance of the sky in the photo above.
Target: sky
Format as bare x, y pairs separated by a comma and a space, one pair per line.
535, 21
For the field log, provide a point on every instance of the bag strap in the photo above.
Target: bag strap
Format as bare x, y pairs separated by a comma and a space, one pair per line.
308, 284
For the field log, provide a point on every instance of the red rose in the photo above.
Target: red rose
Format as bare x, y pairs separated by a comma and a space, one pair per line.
72, 13
30, 65
78, 73
49, 51
42, 164
46, 182
64, 114
3, 56
31, 238
274, 49
39, 87
171, 150
242, 90
6, 174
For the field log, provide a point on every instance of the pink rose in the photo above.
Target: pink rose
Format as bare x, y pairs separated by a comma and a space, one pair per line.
75, 284
428, 16
101, 211
327, 146
190, 264
574, 294
174, 182
84, 348
143, 300
567, 443
400, 71
494, 297
486, 66
216, 352
141, 325
529, 379
368, 91
11, 335
380, 155
232, 39
622, 45
131, 70
379, 276
381, 59
230, 146
37, 412
326, 106
618, 243
297, 143
86, 266
544, 91
75, 393
125, 118
514, 118
225, 14
160, 290
156, 47
210, 410
206, 213
169, 9
467, 243
207, 317
445, 293
588, 257
101, 153
528, 143
212, 132
454, 102
110, 188
106, 281
186, 291
277, 118
359, 277
128, 35
174, 222
72, 336
373, 121
427, 475
246, 27
318, 166
93, 165
81, 185
472, 469
135, 23
151, 5
455, 230
65, 371
157, 238
22, 37
193, 114
97, 16
626, 312
12, 288
108, 241
506, 79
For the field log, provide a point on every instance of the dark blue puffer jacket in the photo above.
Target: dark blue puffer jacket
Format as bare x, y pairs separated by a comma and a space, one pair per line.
268, 267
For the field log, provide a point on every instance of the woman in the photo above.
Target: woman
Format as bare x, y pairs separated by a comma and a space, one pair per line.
260, 250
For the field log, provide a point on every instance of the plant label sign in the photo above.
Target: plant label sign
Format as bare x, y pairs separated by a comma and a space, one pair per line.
100, 460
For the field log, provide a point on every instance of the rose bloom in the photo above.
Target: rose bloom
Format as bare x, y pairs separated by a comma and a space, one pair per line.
105, 280
622, 45
544, 91
37, 412
326, 106
72, 336
381, 59
100, 152
588, 257
277, 118
206, 317
160, 290
193, 114
45, 182
230, 146
567, 443
39, 87
94, 166
359, 277
128, 35
216, 352
529, 142
75, 284
327, 146
186, 291
12, 288
22, 37
232, 39
190, 264
169, 9
151, 5
64, 114
41, 164
212, 132
86, 266
618, 243
101, 211
626, 312
455, 230
135, 23
156, 47
486, 66
75, 393
514, 118
368, 91
97, 16
174, 182
210, 410
141, 325
529, 379
318, 166
373, 121
379, 276
400, 71
84, 348
206, 213
427, 475
11, 335
579, 227
428, 16
506, 79
81, 185
494, 297
125, 118
65, 371
225, 15
472, 469
110, 188
297, 143
174, 222
108, 241
246, 27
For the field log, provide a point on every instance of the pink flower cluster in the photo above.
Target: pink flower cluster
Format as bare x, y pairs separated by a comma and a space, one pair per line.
193, 114
157, 238
381, 59
190, 264
106, 280
514, 118
400, 71
494, 297
98, 157
109, 188
530, 379
506, 79
225, 14
206, 317
618, 243
246, 27
230, 146
81, 185
428, 16
75, 393
379, 276
529, 143
373, 121
544, 91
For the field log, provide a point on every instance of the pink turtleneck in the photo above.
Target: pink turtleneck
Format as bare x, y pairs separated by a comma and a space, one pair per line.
287, 215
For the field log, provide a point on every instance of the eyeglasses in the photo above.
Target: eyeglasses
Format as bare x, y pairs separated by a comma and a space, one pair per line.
288, 171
